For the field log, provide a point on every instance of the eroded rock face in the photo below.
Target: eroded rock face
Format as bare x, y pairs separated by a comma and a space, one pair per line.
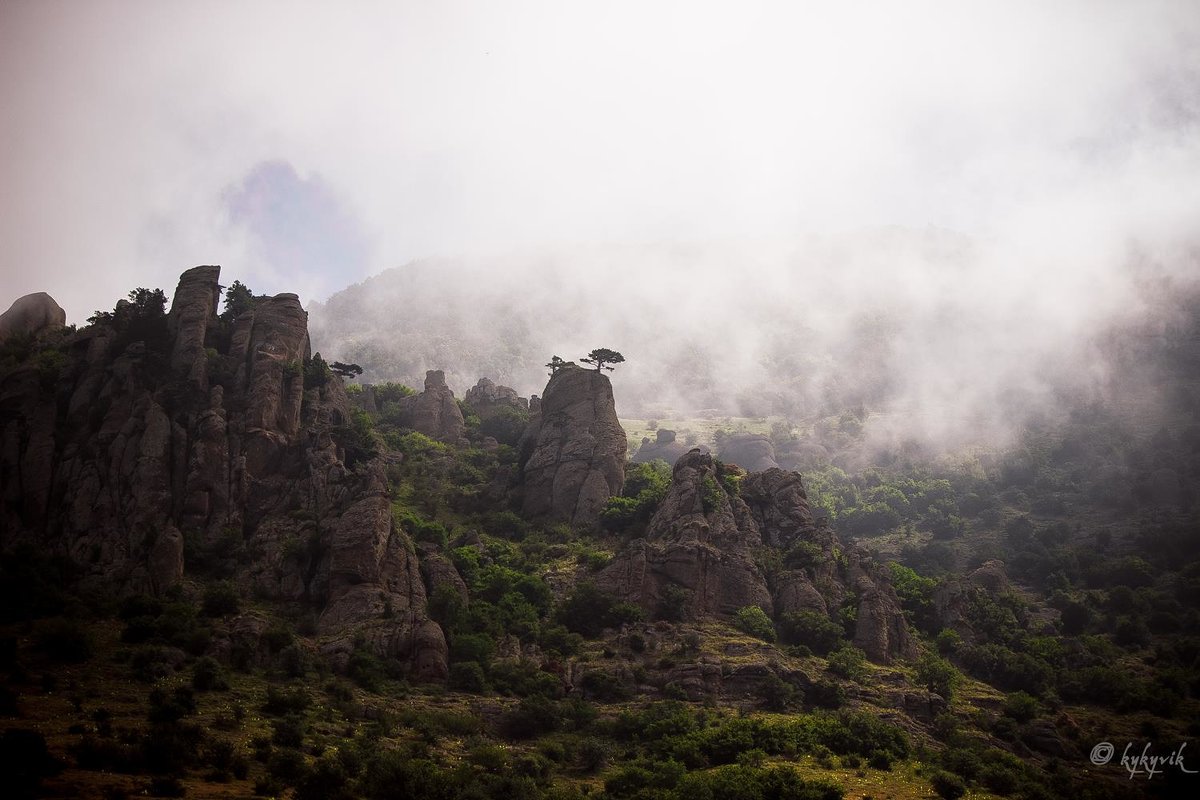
193, 307
574, 449
486, 398
663, 447
751, 452
434, 412
702, 542
953, 598
694, 544
144, 446
31, 315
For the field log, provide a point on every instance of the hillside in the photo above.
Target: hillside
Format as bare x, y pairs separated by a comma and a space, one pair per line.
225, 572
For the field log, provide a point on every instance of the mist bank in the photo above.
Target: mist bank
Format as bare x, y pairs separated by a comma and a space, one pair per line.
931, 335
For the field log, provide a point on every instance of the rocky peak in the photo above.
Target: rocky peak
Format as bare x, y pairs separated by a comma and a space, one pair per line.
699, 541
31, 315
750, 451
486, 397
663, 447
243, 459
574, 449
434, 412
702, 541
192, 307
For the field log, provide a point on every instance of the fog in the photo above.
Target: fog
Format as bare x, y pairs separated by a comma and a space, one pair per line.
930, 208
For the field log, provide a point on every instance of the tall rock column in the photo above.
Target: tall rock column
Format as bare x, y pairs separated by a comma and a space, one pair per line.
194, 304
576, 449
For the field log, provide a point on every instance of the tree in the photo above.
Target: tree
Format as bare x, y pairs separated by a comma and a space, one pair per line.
601, 357
238, 300
556, 363
937, 675
346, 370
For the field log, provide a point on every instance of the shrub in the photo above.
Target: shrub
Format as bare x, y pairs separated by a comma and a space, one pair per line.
848, 662
1021, 706
948, 785
754, 621
220, 600
588, 611
533, 716
283, 701
65, 641
467, 676
208, 676
937, 675
808, 628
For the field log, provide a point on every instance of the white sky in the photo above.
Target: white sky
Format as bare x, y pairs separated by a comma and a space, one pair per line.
305, 146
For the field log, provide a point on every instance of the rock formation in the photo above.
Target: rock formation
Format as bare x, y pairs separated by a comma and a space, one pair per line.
663, 447
31, 315
954, 597
486, 398
694, 543
702, 540
573, 452
202, 438
751, 452
434, 412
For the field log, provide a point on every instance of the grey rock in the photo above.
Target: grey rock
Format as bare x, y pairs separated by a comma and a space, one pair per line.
31, 315
434, 412
751, 452
574, 449
693, 543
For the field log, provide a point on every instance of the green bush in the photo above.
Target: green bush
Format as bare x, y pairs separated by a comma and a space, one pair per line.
220, 600
208, 676
588, 611
64, 640
948, 785
815, 631
848, 662
467, 676
754, 621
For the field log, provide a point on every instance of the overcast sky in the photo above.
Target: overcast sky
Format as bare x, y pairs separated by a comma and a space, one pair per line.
306, 146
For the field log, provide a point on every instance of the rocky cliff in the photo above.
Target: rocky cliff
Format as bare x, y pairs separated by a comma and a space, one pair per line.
573, 452
434, 412
703, 539
699, 541
187, 442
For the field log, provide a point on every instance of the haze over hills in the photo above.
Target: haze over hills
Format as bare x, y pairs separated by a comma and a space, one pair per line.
937, 336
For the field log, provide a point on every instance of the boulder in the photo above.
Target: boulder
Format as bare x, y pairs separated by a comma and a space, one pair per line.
751, 452
31, 315
434, 412
573, 452
663, 447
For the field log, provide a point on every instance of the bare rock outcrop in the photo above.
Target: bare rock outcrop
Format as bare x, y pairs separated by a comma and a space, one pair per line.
751, 452
694, 544
193, 306
31, 315
573, 452
192, 430
820, 573
486, 398
954, 597
434, 412
663, 447
702, 541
